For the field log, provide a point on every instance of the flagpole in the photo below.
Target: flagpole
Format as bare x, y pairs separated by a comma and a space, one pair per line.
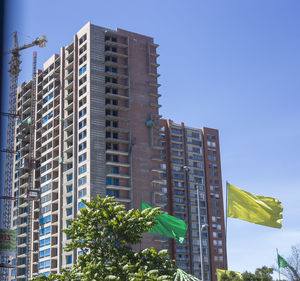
226, 224
278, 264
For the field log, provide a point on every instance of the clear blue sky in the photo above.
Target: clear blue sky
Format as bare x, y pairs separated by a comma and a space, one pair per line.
232, 65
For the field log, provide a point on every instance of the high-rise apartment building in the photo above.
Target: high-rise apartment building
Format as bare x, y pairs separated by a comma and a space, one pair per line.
192, 158
96, 132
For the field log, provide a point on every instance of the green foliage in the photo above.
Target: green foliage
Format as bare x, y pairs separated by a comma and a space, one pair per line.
261, 274
104, 231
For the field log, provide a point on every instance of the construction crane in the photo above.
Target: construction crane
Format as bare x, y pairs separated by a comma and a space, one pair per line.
14, 70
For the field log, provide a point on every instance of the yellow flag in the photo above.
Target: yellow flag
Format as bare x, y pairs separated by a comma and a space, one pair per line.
222, 271
253, 208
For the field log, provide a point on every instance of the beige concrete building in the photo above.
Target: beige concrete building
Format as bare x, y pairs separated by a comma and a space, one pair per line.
96, 132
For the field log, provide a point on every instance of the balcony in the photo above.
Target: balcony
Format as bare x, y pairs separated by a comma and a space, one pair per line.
154, 64
69, 74
127, 200
157, 159
119, 176
118, 164
157, 170
117, 152
155, 105
115, 64
118, 96
116, 75
116, 44
154, 84
116, 118
117, 129
111, 53
154, 55
116, 85
152, 74
118, 187
70, 85
118, 140
116, 107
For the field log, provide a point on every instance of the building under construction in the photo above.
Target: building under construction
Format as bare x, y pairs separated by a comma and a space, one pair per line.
87, 124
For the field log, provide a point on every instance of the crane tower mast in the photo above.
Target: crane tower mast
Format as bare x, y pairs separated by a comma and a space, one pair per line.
8, 183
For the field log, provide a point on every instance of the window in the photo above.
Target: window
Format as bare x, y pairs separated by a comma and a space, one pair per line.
214, 188
46, 198
82, 70
69, 259
82, 169
82, 102
82, 39
82, 157
213, 173
45, 220
176, 131
44, 264
82, 146
211, 151
69, 188
82, 112
114, 193
69, 177
111, 80
214, 181
112, 181
69, 211
81, 193
211, 143
216, 211
69, 199
45, 253
47, 117
82, 124
49, 97
82, 49
82, 59
116, 170
45, 209
215, 203
81, 205
82, 80
44, 242
46, 187
82, 91
82, 135
212, 158
46, 178
211, 137
212, 166
82, 181
111, 69
44, 231
111, 58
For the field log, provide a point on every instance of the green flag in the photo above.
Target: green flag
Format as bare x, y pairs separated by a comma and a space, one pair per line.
168, 226
282, 262
257, 209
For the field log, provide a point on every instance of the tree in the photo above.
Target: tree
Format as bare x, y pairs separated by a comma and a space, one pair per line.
292, 273
261, 274
104, 231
